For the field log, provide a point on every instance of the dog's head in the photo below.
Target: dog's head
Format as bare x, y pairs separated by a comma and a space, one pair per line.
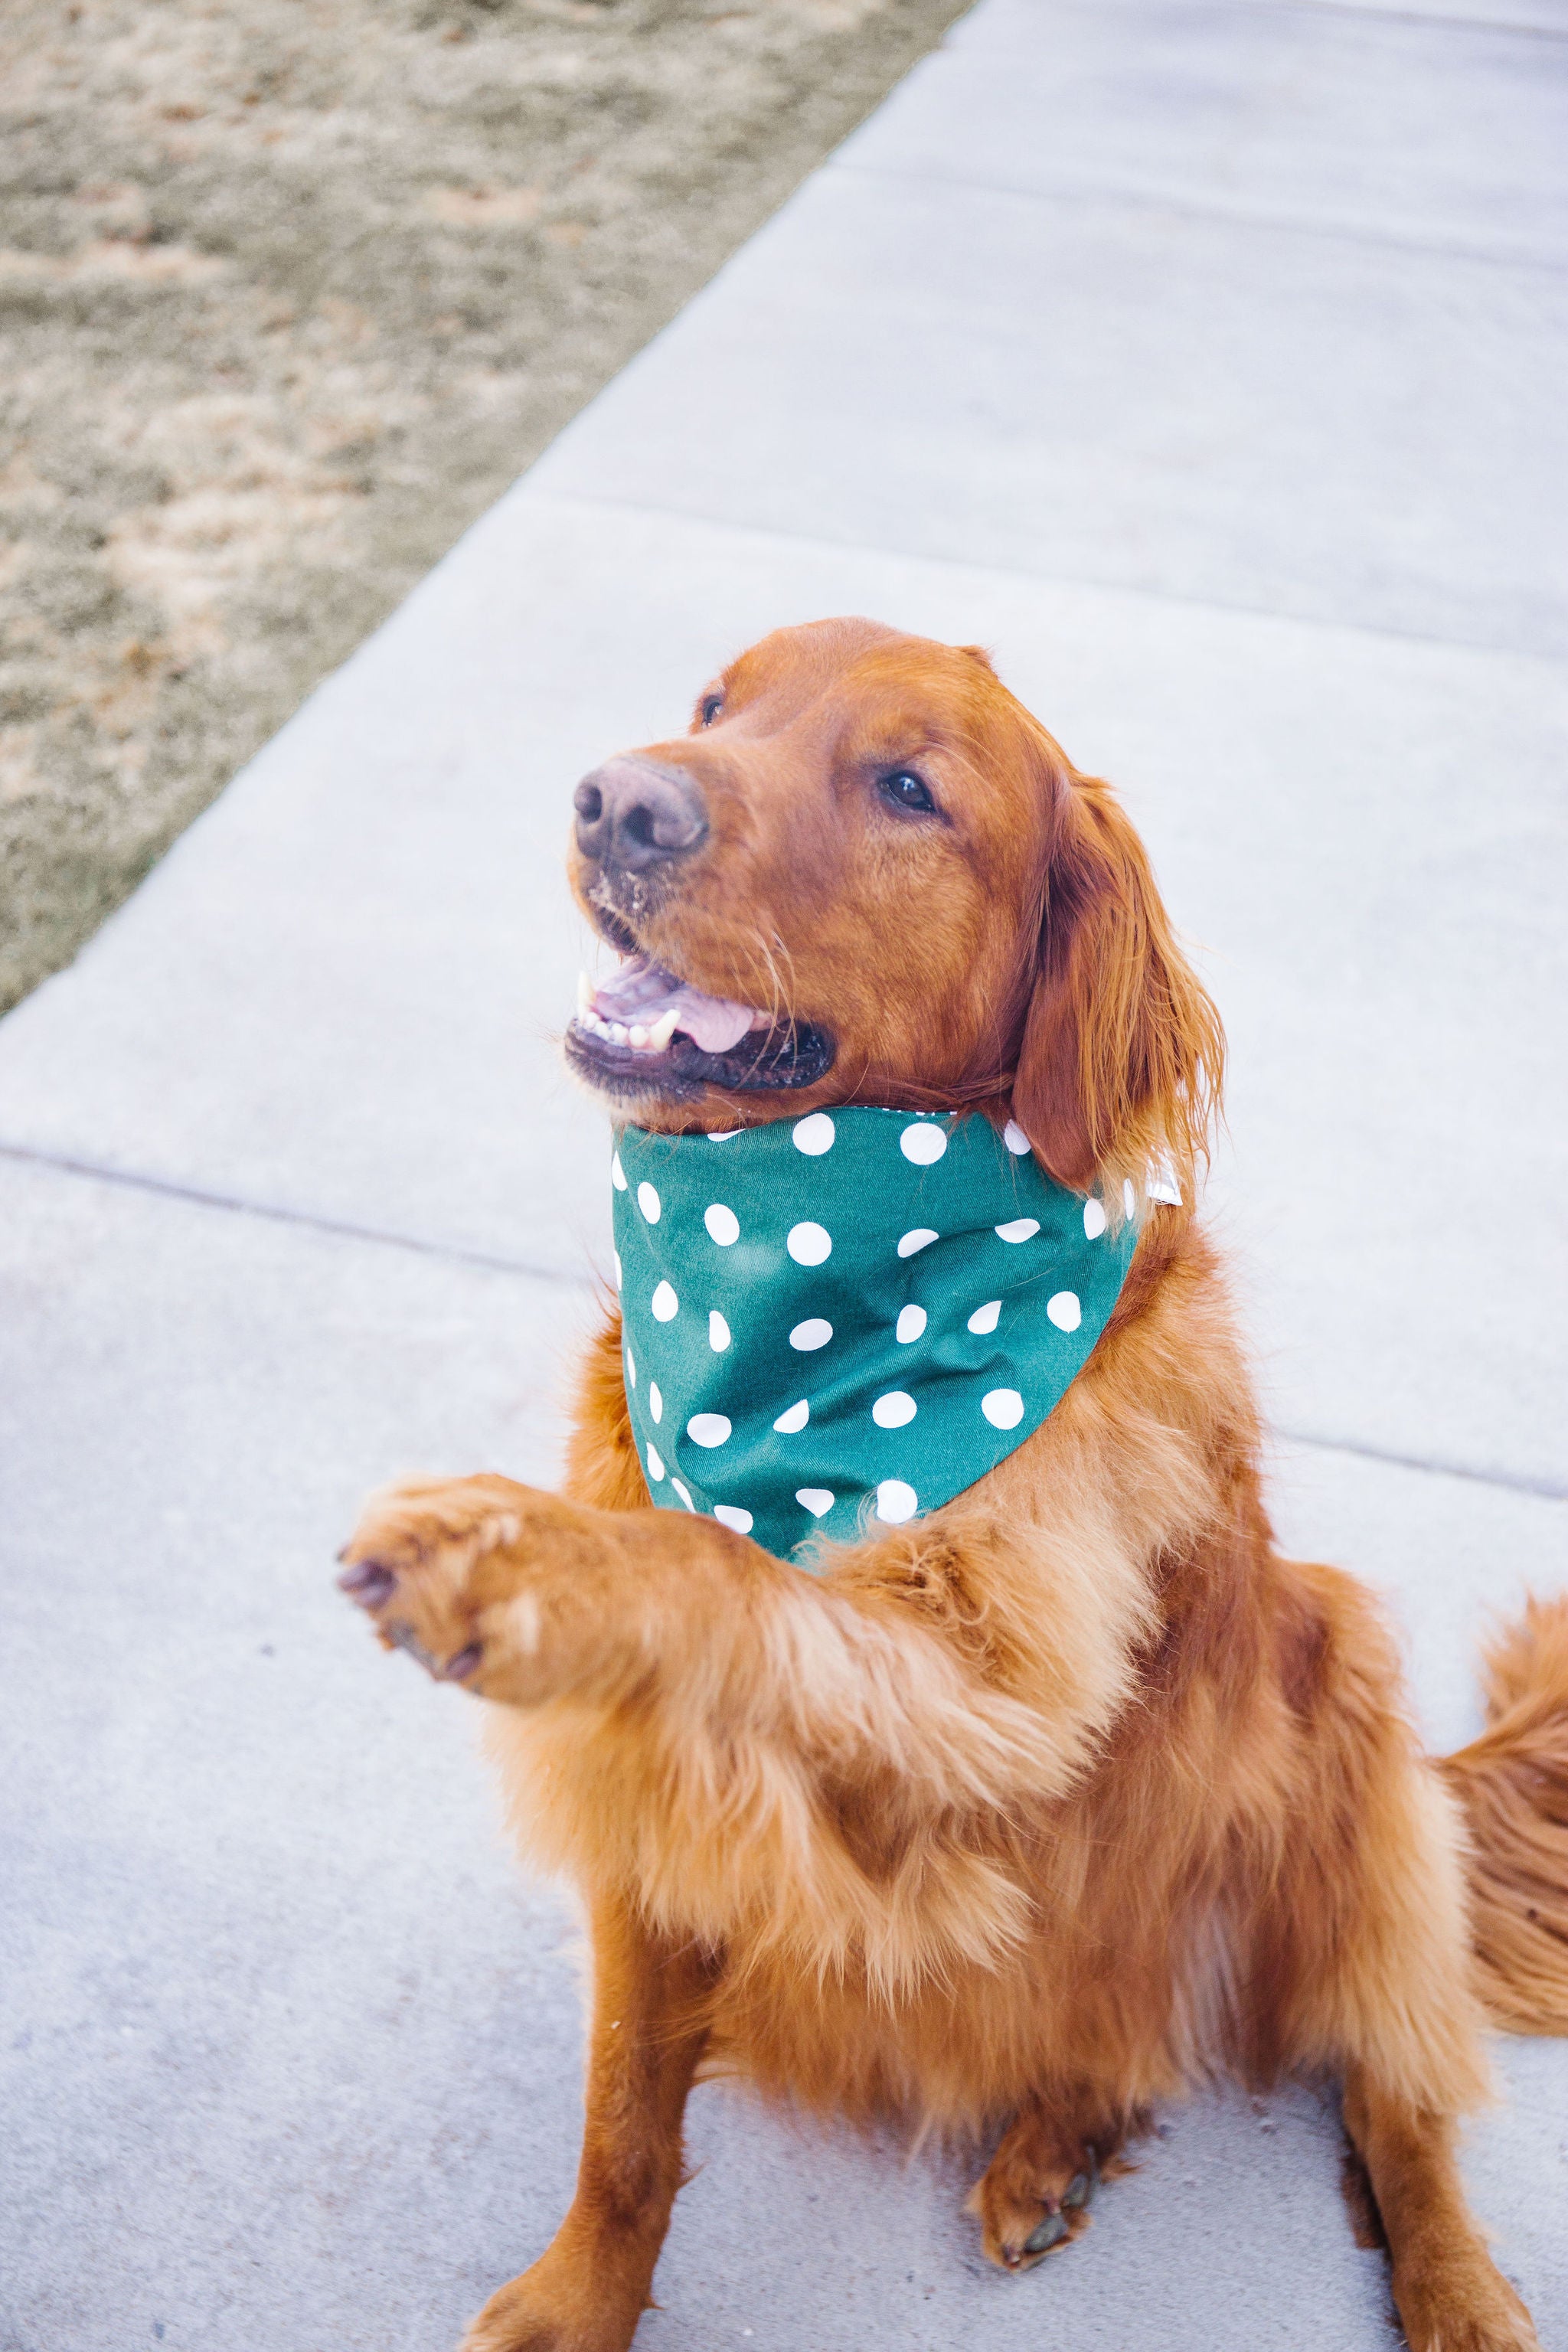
866, 874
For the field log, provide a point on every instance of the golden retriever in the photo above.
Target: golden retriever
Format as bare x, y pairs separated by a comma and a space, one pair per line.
1022, 1816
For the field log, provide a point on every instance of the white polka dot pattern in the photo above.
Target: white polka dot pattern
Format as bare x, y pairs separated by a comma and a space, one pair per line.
922, 1277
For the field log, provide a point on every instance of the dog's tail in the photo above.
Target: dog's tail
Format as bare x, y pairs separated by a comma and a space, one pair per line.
1513, 1785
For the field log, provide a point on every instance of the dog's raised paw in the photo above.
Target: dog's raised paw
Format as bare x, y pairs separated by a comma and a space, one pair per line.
485, 1582
429, 1564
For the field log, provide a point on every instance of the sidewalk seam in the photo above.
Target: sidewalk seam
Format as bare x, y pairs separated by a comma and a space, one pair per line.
171, 1189
1074, 190
1516, 1482
1430, 21
543, 494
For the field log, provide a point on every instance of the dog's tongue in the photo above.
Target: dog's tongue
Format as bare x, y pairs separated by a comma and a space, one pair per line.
641, 992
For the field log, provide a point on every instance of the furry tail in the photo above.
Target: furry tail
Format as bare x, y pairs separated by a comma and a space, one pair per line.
1513, 1784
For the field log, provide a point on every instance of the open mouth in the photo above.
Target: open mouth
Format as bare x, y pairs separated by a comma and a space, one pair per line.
645, 1030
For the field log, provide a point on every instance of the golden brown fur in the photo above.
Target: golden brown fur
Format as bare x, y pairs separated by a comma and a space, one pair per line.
1037, 1811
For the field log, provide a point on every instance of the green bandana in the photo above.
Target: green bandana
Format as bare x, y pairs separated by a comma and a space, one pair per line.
850, 1317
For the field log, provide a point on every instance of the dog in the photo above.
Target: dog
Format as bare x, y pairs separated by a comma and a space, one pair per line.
1022, 1814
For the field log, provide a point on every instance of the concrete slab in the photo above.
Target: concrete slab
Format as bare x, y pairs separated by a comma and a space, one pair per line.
223, 1968
1109, 391
340, 991
292, 2054
1449, 136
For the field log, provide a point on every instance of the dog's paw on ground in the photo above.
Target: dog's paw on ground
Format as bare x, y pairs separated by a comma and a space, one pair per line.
1035, 2196
550, 2309
1458, 2301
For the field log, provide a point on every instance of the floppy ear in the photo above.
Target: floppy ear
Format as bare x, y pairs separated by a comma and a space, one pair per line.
1122, 1057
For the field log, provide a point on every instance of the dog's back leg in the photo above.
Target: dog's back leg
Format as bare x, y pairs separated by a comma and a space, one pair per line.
588, 2290
1364, 1968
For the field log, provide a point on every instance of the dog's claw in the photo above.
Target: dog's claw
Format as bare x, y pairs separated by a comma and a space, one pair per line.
368, 1583
1082, 2186
464, 1664
1047, 2234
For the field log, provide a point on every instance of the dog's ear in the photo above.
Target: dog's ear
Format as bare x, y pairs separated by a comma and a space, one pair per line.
1122, 1057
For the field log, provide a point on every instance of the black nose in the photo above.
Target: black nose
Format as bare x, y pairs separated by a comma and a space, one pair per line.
632, 814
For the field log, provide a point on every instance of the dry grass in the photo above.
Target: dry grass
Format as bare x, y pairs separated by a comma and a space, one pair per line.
290, 290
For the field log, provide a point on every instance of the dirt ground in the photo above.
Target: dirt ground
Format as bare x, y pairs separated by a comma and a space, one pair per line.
290, 290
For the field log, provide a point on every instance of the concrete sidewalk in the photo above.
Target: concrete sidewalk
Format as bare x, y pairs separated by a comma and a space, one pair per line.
1205, 362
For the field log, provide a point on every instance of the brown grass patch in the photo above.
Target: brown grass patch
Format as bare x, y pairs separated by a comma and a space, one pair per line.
289, 291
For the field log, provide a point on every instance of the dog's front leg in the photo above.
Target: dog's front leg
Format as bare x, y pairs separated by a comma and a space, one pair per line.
525, 1597
695, 1710
1451, 2293
704, 1650
586, 2292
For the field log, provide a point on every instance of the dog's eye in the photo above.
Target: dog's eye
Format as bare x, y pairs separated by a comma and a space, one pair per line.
905, 790
712, 704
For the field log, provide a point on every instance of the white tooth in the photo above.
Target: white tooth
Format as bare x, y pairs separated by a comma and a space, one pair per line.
638, 1035
663, 1030
619, 1031
585, 992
